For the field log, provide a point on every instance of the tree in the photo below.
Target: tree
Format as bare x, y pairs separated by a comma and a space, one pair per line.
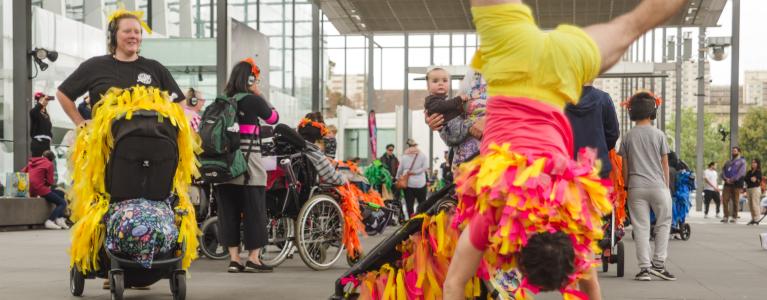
753, 134
713, 147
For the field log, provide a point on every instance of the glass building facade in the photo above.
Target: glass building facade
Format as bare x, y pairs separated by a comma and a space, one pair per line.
349, 75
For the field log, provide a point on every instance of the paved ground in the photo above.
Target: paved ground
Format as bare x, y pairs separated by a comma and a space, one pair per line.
718, 262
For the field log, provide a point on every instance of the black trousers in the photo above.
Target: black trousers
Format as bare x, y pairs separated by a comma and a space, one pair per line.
707, 197
242, 204
413, 194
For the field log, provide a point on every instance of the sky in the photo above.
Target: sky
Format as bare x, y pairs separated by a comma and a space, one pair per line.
753, 40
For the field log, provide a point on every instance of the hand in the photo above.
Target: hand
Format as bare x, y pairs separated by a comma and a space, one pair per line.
464, 98
753, 179
477, 129
435, 121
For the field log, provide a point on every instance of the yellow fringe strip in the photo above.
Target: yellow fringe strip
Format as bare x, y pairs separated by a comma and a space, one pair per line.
87, 164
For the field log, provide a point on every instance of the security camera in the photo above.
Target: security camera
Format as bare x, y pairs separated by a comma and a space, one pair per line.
717, 52
717, 47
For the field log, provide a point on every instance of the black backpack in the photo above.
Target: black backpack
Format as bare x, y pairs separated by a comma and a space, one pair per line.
144, 159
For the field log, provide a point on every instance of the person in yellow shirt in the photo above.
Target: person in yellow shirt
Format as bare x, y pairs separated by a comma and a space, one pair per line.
524, 203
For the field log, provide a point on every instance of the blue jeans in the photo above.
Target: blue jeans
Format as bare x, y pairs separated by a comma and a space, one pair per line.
56, 197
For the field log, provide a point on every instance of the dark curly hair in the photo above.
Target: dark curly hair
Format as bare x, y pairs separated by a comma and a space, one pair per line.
548, 260
642, 106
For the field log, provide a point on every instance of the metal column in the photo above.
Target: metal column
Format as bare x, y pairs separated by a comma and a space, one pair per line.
664, 59
735, 77
678, 87
22, 84
371, 73
222, 43
699, 163
316, 70
406, 96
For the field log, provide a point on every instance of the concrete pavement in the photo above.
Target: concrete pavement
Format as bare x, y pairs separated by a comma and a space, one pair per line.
718, 262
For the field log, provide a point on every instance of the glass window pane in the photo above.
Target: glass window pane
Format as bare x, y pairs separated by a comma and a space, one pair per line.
441, 57
458, 39
390, 40
419, 40
459, 58
441, 40
419, 57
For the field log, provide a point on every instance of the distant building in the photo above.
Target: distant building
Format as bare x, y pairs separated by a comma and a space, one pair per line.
755, 87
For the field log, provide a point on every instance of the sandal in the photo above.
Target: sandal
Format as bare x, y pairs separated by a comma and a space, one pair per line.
251, 267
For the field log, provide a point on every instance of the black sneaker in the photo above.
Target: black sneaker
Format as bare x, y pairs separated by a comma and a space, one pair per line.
235, 267
643, 275
662, 273
250, 267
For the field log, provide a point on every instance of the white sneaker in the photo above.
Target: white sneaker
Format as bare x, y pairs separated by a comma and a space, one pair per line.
62, 223
50, 225
717, 216
705, 216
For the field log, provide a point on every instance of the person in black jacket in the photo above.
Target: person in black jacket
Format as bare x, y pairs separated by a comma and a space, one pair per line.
40, 125
391, 163
595, 125
754, 190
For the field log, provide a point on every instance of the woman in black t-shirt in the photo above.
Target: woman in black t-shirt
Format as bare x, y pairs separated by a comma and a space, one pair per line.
121, 68
237, 199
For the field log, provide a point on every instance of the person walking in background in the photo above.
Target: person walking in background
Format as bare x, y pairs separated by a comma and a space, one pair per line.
40, 126
84, 108
391, 164
595, 125
646, 172
754, 190
733, 174
447, 169
413, 166
711, 189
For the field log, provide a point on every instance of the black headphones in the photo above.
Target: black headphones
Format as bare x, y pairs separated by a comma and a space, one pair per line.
193, 98
112, 34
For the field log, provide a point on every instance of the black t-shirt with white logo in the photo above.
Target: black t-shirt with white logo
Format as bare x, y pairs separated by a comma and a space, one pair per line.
98, 74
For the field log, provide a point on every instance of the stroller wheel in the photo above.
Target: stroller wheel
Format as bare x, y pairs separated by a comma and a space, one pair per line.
116, 284
685, 231
76, 282
178, 285
620, 258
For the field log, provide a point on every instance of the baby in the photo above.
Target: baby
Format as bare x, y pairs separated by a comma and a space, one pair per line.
460, 113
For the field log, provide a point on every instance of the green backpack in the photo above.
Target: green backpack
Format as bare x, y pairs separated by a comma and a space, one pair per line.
221, 159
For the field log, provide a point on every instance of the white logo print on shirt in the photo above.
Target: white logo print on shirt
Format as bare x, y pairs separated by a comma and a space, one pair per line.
144, 78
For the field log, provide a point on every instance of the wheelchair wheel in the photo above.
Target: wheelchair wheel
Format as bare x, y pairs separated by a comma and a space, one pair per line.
116, 284
178, 285
76, 282
319, 232
209, 244
620, 257
280, 234
685, 231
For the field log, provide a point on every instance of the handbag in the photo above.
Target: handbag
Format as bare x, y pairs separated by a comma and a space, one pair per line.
401, 183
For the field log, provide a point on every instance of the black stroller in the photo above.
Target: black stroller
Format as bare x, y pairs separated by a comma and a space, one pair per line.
142, 165
385, 252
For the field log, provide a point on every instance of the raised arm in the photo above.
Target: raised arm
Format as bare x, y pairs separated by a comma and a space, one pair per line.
613, 38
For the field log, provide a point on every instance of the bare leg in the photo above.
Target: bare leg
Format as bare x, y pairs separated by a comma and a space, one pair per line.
234, 254
590, 285
253, 256
461, 270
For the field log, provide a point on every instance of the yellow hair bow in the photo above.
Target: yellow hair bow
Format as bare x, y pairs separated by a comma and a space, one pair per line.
137, 13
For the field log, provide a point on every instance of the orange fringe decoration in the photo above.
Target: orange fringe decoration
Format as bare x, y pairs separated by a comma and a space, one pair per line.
350, 206
618, 195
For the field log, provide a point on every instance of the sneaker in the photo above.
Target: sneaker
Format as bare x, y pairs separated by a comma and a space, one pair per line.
717, 215
732, 220
62, 223
662, 273
725, 220
643, 275
705, 216
235, 267
50, 225
251, 267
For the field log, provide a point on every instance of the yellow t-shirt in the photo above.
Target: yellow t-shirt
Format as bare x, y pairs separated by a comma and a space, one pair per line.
518, 59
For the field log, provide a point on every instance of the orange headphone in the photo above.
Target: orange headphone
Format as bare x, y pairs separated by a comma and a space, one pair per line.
255, 72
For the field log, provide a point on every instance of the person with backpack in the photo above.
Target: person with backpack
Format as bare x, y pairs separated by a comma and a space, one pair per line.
241, 186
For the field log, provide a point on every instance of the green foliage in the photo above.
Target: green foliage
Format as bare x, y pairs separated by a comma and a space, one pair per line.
753, 134
713, 146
